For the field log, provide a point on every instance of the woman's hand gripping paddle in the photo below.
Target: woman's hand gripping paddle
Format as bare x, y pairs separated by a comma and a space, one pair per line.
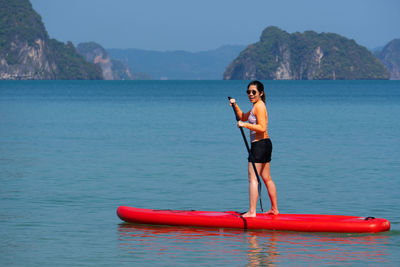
250, 155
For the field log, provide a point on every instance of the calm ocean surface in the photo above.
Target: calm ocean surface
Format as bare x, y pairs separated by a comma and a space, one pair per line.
71, 152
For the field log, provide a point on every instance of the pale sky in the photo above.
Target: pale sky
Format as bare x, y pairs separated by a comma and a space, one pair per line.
208, 24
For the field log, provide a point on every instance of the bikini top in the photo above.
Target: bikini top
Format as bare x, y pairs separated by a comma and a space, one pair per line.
252, 120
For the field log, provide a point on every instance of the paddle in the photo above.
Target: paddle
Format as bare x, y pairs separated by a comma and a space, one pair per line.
250, 155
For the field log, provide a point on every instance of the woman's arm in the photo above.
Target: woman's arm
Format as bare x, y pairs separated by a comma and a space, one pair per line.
242, 116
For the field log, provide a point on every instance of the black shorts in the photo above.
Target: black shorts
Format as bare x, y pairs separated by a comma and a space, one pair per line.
261, 151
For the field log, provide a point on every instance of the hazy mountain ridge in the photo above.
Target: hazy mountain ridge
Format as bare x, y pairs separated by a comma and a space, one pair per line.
178, 65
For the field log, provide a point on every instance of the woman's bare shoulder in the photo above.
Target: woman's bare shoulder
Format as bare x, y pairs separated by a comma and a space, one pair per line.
260, 107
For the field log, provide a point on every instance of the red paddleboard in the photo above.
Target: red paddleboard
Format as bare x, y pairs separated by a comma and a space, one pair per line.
233, 219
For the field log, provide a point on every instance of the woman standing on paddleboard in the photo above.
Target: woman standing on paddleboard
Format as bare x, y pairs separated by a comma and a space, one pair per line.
261, 146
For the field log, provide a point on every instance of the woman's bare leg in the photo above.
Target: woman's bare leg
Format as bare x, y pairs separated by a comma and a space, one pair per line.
266, 176
253, 190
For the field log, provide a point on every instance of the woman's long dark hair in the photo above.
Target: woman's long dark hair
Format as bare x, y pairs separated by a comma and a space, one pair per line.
260, 88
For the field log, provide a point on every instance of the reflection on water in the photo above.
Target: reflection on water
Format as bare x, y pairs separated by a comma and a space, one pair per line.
183, 245
264, 254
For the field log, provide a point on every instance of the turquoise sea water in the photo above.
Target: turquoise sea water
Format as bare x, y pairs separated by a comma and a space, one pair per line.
71, 152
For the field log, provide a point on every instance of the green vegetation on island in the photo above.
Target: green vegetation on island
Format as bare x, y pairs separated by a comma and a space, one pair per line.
27, 52
305, 56
71, 64
18, 21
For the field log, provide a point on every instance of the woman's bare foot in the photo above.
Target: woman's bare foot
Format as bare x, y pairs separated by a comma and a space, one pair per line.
249, 215
272, 212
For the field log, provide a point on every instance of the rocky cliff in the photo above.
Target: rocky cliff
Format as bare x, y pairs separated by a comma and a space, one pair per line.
111, 69
27, 52
390, 57
304, 56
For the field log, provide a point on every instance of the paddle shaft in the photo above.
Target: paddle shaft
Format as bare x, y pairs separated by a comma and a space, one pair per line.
250, 154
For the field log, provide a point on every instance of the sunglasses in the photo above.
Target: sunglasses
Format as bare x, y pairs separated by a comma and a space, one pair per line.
251, 92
